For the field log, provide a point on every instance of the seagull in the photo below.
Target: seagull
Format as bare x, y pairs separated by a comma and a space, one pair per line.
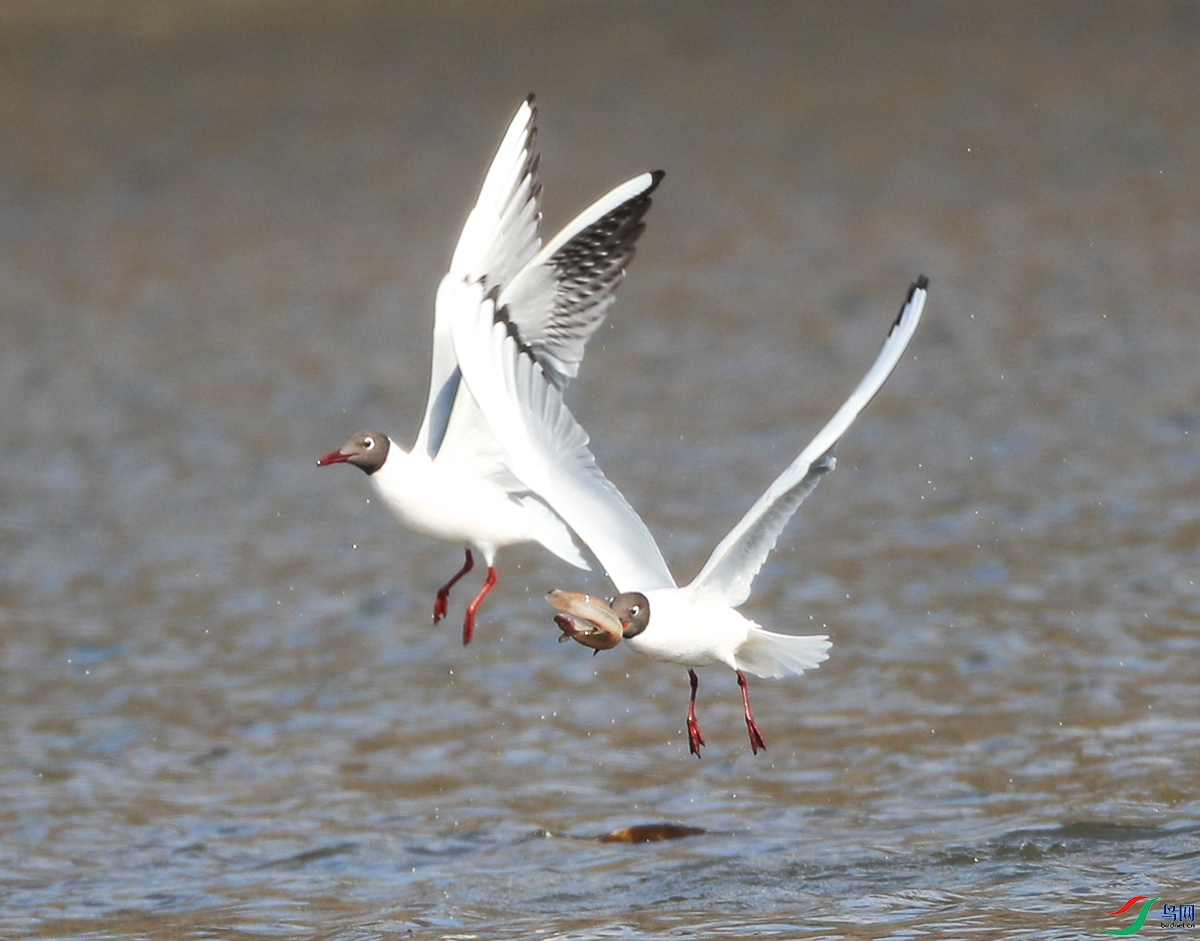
455, 483
694, 625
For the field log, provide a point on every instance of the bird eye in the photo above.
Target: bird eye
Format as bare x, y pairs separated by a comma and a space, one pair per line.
369, 443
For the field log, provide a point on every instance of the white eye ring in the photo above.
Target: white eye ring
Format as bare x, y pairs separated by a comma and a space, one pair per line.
369, 442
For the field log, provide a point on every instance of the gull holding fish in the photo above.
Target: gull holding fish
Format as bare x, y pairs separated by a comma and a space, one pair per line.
694, 625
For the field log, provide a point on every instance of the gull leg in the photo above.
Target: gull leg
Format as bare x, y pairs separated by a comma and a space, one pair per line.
695, 736
756, 739
441, 607
469, 620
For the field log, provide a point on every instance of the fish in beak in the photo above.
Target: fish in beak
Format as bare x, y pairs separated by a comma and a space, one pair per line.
586, 619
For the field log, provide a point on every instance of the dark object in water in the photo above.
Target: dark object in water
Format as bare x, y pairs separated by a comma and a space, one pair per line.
650, 833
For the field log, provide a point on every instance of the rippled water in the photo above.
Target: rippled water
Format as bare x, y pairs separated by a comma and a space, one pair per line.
224, 710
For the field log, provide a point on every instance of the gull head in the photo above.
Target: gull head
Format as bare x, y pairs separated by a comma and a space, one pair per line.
597, 623
366, 450
632, 609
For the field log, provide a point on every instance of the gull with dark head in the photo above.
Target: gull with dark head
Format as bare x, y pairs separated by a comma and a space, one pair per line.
694, 625
455, 484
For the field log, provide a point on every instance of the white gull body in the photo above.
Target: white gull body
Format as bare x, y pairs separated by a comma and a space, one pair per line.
455, 483
693, 625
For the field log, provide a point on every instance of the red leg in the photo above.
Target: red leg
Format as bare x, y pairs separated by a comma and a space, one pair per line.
695, 736
441, 607
469, 620
756, 739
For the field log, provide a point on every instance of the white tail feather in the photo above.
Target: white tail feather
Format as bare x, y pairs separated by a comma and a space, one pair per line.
768, 654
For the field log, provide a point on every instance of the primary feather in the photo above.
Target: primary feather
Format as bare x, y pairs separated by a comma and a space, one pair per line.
738, 558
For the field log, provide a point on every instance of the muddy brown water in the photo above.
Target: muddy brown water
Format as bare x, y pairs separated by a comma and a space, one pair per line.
225, 713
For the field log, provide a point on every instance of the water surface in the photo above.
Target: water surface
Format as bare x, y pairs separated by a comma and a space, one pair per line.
225, 711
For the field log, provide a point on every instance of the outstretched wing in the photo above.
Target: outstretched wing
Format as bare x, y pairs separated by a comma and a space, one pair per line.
557, 301
546, 448
498, 239
553, 300
730, 570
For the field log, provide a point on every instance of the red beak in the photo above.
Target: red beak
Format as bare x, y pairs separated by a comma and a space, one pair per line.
333, 457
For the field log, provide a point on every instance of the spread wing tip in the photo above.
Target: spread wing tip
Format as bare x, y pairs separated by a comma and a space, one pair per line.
922, 285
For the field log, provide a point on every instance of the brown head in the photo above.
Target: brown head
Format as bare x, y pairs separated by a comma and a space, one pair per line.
367, 451
633, 611
596, 623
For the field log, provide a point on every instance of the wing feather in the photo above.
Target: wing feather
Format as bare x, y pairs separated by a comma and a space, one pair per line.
499, 237
559, 299
738, 558
552, 299
546, 448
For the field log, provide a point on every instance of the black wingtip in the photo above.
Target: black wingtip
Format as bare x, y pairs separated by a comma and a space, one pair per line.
529, 98
921, 284
656, 177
